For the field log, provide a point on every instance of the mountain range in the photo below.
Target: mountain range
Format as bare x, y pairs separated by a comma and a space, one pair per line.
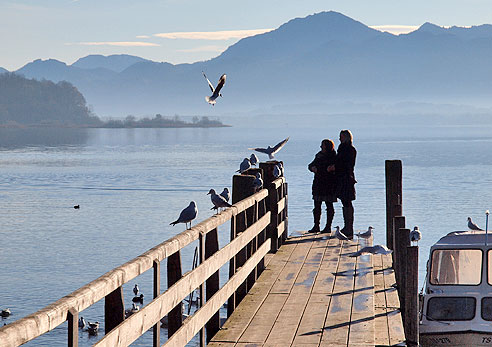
320, 59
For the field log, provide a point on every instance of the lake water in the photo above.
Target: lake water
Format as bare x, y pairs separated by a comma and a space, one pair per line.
131, 183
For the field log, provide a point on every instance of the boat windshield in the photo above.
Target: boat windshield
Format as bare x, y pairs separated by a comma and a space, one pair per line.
456, 267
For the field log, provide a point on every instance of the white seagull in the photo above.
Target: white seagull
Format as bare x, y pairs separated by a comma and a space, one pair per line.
377, 249
258, 182
218, 200
187, 215
226, 194
339, 235
215, 91
366, 234
472, 226
415, 235
253, 159
136, 289
271, 151
245, 165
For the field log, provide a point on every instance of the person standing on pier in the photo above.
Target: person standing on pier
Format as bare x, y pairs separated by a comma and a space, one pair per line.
345, 178
324, 184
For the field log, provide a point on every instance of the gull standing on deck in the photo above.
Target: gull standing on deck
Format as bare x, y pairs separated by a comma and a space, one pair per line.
217, 200
415, 235
366, 234
215, 91
472, 226
271, 151
187, 215
339, 235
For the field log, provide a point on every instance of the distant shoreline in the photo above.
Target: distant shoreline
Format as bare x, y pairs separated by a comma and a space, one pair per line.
66, 126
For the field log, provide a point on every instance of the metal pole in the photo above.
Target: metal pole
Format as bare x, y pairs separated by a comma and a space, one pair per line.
486, 226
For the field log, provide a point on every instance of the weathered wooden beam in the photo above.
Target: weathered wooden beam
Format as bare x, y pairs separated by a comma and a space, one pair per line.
114, 309
402, 241
398, 223
73, 328
174, 274
212, 284
411, 313
393, 173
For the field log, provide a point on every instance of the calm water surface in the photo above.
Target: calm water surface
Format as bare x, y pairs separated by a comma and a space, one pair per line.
131, 183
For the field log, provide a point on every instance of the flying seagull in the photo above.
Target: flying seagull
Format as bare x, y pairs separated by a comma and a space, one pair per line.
226, 194
472, 226
366, 234
377, 249
187, 215
215, 91
271, 151
415, 235
218, 200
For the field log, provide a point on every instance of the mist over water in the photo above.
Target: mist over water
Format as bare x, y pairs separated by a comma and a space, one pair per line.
131, 183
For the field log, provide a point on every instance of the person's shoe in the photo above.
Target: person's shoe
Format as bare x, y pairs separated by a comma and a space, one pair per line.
327, 229
314, 229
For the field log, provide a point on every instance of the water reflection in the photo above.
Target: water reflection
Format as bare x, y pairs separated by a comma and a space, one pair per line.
49, 137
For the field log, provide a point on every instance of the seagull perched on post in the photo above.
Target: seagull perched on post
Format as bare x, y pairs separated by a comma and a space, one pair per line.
244, 166
472, 226
226, 194
258, 182
215, 91
253, 159
415, 235
187, 215
366, 234
277, 172
271, 151
218, 200
377, 249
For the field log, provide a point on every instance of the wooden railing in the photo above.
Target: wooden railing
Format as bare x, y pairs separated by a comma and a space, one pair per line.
250, 218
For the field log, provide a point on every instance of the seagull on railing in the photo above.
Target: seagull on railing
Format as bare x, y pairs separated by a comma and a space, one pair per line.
244, 166
377, 249
277, 171
415, 235
253, 159
226, 194
218, 200
215, 91
472, 226
258, 182
366, 234
187, 215
271, 151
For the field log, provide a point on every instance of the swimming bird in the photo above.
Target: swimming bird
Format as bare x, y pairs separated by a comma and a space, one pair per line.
93, 328
244, 166
82, 323
187, 215
277, 171
253, 159
76, 207
226, 194
271, 151
339, 235
472, 226
138, 299
377, 249
136, 289
258, 182
215, 91
366, 234
6, 312
415, 235
218, 200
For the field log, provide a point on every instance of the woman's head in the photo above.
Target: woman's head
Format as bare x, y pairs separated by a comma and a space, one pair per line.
346, 136
328, 145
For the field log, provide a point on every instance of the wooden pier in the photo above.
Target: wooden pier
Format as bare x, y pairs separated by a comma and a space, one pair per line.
298, 291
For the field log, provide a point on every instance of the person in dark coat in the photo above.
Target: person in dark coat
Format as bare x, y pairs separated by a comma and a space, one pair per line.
324, 184
345, 186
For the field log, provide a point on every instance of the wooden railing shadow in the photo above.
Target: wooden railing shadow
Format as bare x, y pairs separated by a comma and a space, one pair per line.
254, 219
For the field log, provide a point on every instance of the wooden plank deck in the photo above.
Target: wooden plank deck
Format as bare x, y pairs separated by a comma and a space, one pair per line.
313, 294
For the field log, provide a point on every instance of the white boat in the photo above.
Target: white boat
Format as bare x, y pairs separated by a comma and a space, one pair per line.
456, 306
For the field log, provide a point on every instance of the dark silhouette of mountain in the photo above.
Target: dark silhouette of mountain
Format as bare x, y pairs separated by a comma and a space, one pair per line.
115, 62
42, 103
326, 57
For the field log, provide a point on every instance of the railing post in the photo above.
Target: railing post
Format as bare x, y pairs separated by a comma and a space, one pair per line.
114, 309
73, 328
393, 170
411, 313
201, 252
398, 223
156, 329
286, 213
212, 283
174, 274
273, 208
402, 241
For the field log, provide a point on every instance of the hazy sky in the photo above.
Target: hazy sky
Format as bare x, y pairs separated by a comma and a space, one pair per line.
179, 31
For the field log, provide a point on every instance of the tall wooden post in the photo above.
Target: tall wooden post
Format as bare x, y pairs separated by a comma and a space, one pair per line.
156, 329
114, 309
398, 223
402, 241
73, 329
174, 274
411, 312
212, 283
393, 169
272, 200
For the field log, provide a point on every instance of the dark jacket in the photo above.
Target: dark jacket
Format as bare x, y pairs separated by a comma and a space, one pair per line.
324, 182
344, 169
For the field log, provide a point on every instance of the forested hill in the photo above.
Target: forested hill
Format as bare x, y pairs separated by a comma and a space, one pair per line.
42, 103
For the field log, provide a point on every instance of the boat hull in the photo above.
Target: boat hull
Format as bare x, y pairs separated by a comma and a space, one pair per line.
464, 338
